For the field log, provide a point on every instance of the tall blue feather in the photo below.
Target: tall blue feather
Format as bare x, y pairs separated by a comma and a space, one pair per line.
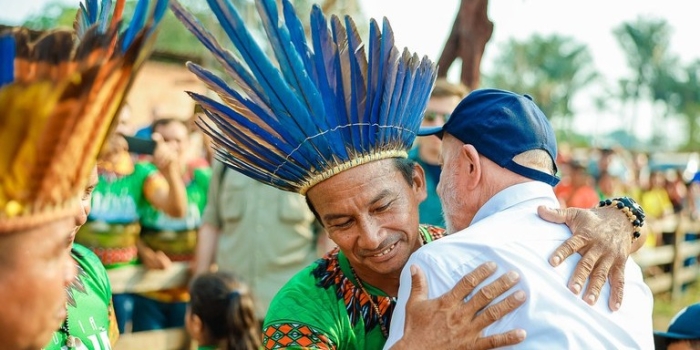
232, 66
136, 24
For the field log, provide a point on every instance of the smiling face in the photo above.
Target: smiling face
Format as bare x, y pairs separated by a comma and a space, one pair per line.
35, 267
371, 213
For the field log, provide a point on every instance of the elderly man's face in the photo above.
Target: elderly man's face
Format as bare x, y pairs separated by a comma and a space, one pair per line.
371, 213
35, 268
453, 199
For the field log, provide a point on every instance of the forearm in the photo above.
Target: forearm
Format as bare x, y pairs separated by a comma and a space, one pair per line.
176, 198
207, 239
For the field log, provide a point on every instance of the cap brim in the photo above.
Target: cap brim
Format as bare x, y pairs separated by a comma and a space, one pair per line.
671, 335
434, 130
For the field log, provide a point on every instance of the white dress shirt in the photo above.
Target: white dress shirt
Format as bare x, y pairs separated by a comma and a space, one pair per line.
508, 231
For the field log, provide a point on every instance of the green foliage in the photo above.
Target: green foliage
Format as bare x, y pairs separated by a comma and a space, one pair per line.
658, 76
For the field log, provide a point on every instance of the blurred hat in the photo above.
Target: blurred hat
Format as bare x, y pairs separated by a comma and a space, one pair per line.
500, 125
684, 325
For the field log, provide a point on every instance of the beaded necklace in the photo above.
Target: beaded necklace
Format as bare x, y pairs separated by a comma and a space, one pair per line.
384, 328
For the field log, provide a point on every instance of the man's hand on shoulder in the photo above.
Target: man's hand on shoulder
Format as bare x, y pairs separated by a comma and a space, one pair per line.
460, 323
603, 236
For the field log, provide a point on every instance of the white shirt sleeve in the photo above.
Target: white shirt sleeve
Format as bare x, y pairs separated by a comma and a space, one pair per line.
439, 281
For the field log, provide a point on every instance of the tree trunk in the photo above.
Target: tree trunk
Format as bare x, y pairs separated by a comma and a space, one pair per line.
471, 31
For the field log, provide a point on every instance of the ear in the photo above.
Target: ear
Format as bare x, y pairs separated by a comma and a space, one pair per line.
419, 187
195, 327
471, 166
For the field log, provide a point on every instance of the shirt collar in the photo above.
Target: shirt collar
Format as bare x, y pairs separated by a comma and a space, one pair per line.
514, 195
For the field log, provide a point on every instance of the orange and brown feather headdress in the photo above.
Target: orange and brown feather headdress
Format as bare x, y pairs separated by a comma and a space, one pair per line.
59, 95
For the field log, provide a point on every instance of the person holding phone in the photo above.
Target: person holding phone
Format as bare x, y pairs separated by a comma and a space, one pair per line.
165, 239
113, 227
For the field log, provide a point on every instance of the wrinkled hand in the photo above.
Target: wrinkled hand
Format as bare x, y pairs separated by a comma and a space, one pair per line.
603, 236
164, 157
155, 260
460, 323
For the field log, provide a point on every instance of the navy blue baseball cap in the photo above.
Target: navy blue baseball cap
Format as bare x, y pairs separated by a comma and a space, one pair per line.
685, 325
501, 124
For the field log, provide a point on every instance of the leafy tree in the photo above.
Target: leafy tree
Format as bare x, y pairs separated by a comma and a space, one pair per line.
645, 43
552, 69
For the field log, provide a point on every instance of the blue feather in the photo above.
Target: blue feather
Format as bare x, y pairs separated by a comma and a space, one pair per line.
298, 37
105, 10
324, 55
92, 11
302, 156
231, 65
389, 80
404, 108
232, 97
291, 63
343, 85
373, 65
136, 24
7, 59
358, 74
396, 95
283, 102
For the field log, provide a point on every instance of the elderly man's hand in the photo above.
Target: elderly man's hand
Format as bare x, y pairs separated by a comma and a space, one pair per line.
603, 236
460, 323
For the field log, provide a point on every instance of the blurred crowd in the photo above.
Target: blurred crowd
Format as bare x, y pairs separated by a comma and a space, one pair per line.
663, 186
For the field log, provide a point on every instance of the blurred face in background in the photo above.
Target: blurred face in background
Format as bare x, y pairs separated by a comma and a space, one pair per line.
176, 135
124, 125
436, 114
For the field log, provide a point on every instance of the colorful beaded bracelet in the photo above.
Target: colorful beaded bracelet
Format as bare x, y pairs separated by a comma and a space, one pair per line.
632, 209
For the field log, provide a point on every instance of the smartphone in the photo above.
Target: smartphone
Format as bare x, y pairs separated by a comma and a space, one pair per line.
140, 146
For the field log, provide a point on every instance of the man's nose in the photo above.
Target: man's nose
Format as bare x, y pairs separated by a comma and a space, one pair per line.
371, 237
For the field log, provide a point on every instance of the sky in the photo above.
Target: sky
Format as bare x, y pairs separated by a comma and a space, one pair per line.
423, 26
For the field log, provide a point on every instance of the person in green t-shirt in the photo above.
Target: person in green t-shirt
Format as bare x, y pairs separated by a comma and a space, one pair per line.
165, 239
113, 227
90, 319
221, 313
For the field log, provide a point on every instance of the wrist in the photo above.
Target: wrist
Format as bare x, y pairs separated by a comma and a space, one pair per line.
634, 212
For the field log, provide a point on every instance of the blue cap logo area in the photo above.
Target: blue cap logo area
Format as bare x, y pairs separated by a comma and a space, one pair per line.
500, 125
685, 325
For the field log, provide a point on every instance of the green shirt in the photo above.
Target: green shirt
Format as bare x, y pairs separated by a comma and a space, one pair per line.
196, 190
323, 308
89, 298
429, 210
113, 223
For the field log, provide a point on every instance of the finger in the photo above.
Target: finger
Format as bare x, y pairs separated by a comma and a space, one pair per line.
617, 285
566, 249
467, 283
497, 311
158, 138
419, 291
499, 340
557, 216
599, 275
492, 291
583, 270
163, 260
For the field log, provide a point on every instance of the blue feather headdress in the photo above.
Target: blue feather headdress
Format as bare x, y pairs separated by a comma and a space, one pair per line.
321, 109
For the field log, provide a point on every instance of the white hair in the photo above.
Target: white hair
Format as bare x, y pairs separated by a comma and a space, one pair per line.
537, 159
